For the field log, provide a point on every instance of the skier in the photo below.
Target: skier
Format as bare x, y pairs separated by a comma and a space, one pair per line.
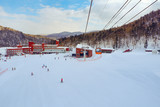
31, 73
43, 66
61, 80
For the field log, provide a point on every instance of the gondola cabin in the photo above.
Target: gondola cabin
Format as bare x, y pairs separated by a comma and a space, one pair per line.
98, 51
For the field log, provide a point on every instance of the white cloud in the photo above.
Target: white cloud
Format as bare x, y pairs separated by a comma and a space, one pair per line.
49, 20
2, 12
52, 19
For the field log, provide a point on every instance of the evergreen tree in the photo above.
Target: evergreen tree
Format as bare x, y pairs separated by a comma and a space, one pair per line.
146, 44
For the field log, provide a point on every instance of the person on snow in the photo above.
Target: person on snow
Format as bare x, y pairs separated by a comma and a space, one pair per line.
61, 80
31, 73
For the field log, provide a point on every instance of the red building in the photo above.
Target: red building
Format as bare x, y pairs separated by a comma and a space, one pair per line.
107, 50
27, 50
37, 49
16, 51
148, 50
100, 51
80, 53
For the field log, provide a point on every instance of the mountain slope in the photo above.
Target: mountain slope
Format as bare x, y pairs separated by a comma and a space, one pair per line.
116, 80
63, 34
11, 37
144, 32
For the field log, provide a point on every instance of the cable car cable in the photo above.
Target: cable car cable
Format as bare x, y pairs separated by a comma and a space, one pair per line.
127, 12
121, 10
88, 15
115, 14
136, 15
141, 11
105, 4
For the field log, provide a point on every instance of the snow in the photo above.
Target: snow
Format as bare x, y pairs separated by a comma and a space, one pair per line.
109, 48
84, 45
116, 80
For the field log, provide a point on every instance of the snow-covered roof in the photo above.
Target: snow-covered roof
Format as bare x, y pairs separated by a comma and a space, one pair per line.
149, 49
84, 46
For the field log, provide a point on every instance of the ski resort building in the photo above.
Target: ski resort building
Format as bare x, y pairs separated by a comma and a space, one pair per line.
82, 50
148, 50
12, 52
100, 50
80, 53
107, 50
37, 49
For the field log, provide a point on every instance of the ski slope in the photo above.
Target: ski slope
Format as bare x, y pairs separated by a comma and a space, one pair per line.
115, 80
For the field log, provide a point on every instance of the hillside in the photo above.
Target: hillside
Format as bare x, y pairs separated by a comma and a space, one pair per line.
142, 33
63, 34
11, 37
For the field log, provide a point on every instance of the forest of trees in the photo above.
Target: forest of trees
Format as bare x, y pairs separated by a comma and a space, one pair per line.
10, 37
145, 29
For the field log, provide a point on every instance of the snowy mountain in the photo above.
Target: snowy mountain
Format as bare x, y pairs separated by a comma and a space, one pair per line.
63, 34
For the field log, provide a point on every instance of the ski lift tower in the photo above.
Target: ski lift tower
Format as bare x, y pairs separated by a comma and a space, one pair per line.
84, 51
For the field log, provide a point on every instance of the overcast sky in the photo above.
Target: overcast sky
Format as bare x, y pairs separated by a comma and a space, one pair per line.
54, 16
